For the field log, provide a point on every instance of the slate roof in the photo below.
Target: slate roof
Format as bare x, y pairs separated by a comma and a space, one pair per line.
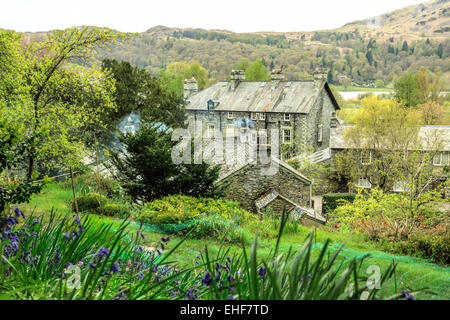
427, 134
258, 96
298, 209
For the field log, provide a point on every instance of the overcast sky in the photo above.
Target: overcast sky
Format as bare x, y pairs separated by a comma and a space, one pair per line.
234, 15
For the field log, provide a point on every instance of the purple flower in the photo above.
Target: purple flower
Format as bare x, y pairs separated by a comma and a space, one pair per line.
66, 235
407, 295
207, 280
120, 296
262, 272
77, 219
115, 268
19, 213
103, 252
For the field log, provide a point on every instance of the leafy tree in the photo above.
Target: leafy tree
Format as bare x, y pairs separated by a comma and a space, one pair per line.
385, 148
406, 90
175, 73
138, 91
431, 112
59, 100
256, 71
413, 89
13, 150
379, 84
440, 50
147, 172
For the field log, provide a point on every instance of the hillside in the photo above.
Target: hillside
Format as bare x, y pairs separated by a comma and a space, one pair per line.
381, 48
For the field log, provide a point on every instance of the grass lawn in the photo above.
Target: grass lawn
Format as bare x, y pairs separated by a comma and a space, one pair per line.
412, 273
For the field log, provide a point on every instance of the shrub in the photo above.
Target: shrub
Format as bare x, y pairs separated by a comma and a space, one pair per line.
432, 247
220, 228
88, 182
90, 202
333, 200
179, 209
378, 214
116, 210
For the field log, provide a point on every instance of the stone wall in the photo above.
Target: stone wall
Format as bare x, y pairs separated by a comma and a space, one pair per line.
250, 184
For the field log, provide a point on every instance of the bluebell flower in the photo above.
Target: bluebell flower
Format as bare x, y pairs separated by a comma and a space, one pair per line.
19, 213
262, 272
115, 268
207, 280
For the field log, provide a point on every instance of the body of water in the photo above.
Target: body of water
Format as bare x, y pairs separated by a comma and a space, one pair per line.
354, 94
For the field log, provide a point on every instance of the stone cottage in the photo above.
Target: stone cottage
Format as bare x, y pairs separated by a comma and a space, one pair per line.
303, 112
259, 192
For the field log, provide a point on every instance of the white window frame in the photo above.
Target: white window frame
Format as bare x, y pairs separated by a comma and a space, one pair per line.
230, 115
364, 183
210, 127
440, 164
284, 135
230, 130
320, 137
254, 136
287, 117
361, 158
262, 116
253, 116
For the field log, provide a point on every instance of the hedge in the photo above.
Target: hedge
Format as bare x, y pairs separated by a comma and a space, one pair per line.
330, 201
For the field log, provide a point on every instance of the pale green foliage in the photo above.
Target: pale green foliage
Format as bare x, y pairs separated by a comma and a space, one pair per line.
256, 72
57, 101
379, 214
176, 72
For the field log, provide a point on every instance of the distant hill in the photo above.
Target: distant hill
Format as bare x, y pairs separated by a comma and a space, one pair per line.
379, 48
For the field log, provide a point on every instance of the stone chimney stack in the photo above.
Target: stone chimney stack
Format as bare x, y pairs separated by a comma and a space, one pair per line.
277, 75
334, 122
236, 77
320, 76
190, 87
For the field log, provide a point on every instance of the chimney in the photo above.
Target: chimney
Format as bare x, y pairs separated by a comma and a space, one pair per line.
334, 121
277, 75
320, 76
236, 77
190, 87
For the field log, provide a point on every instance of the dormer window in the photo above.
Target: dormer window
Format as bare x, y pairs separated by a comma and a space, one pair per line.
287, 117
230, 115
210, 104
262, 116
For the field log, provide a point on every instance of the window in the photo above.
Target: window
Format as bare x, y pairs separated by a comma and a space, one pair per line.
320, 137
210, 130
262, 136
254, 136
439, 159
287, 136
230, 115
287, 117
262, 116
366, 157
253, 116
364, 183
399, 186
230, 130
